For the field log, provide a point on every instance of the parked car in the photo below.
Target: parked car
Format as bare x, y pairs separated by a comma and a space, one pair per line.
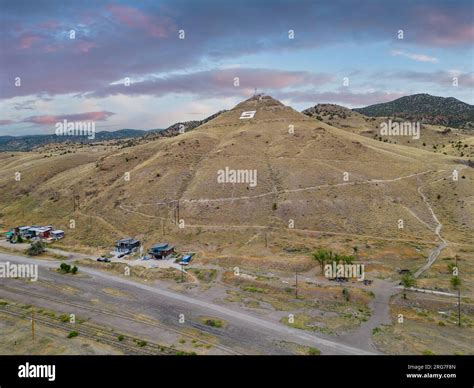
103, 260
186, 260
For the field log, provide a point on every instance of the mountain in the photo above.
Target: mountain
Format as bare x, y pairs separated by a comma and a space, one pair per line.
447, 111
30, 142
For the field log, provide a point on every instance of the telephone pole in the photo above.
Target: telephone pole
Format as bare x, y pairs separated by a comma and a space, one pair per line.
296, 287
177, 210
459, 307
33, 324
459, 293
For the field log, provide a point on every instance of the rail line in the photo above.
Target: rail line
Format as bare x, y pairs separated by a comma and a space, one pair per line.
123, 315
92, 333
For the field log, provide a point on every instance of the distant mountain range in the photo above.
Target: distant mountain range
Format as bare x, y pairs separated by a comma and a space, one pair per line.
29, 142
427, 109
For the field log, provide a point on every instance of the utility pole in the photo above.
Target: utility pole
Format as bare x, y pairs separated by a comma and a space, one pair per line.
163, 228
459, 293
33, 324
296, 287
266, 240
459, 307
177, 209
182, 273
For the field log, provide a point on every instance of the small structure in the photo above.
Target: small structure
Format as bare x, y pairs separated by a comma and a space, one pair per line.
57, 234
127, 245
24, 231
161, 251
41, 231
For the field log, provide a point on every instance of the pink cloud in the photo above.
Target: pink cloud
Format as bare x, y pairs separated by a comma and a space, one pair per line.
84, 47
51, 119
50, 25
27, 40
134, 18
443, 29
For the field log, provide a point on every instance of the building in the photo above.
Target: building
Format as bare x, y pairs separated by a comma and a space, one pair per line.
126, 245
57, 234
40, 231
24, 231
161, 251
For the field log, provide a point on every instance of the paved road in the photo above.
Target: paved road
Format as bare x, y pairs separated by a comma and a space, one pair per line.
247, 332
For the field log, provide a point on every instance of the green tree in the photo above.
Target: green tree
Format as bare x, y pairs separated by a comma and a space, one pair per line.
408, 281
455, 282
322, 256
65, 268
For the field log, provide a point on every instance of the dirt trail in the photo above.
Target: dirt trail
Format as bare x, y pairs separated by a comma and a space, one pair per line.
444, 243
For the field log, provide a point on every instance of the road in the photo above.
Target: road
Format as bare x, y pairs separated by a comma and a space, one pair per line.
245, 333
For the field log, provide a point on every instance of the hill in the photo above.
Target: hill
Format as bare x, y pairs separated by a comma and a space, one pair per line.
312, 182
434, 138
426, 109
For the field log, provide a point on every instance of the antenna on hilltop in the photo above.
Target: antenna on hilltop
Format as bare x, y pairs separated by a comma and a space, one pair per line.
255, 93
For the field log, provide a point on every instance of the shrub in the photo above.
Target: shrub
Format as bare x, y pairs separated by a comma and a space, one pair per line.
65, 268
141, 343
214, 323
346, 294
72, 334
36, 248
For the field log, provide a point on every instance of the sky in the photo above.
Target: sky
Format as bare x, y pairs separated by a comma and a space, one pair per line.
150, 64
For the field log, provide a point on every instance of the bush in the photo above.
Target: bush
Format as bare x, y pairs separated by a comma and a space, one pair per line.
314, 352
65, 268
141, 343
72, 334
36, 248
346, 294
214, 323
120, 337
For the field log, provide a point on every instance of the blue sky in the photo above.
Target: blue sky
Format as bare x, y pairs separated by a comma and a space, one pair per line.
176, 79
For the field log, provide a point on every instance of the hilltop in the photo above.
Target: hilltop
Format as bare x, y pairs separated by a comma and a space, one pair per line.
447, 111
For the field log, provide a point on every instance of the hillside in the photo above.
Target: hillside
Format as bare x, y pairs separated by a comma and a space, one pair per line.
433, 138
179, 127
300, 164
426, 109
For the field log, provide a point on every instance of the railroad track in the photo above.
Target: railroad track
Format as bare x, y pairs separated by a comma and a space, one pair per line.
127, 345
127, 316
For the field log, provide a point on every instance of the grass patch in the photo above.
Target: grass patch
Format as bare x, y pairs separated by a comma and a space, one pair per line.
213, 322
